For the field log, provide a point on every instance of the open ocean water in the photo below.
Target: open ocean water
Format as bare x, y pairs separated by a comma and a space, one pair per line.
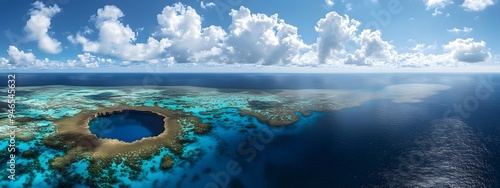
378, 144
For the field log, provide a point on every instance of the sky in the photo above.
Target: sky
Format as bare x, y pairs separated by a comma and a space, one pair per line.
235, 35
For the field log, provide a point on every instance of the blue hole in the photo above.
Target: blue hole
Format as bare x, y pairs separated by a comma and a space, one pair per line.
127, 125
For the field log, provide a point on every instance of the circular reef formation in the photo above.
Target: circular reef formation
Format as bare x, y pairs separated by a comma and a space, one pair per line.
82, 136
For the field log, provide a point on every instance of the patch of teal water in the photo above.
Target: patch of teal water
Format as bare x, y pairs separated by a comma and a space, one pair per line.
45, 128
59, 113
120, 172
216, 146
35, 171
177, 176
46, 156
42, 179
80, 168
32, 113
43, 123
60, 104
16, 183
153, 174
38, 129
170, 104
4, 143
210, 101
53, 112
45, 176
197, 157
149, 102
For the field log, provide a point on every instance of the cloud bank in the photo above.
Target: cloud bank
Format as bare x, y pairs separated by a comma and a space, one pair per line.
250, 39
466, 50
117, 40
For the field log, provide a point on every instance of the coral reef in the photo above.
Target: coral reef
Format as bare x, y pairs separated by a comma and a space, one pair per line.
166, 162
74, 136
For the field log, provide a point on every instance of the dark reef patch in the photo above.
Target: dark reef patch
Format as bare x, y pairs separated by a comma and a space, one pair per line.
167, 162
3, 106
251, 126
102, 96
260, 105
231, 90
306, 113
202, 128
18, 92
30, 154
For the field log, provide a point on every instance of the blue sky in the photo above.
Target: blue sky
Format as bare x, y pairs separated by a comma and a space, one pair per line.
98, 35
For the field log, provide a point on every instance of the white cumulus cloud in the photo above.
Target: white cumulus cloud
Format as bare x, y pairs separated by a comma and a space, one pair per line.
190, 42
21, 59
348, 6
38, 25
204, 5
437, 5
3, 61
329, 3
420, 47
419, 59
466, 50
262, 39
433, 4
87, 60
334, 30
118, 40
17, 56
373, 50
477, 5
457, 53
464, 30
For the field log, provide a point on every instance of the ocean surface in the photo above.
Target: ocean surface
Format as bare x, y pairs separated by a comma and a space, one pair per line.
451, 139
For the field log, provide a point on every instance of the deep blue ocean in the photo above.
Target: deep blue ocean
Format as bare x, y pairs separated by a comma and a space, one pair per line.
378, 144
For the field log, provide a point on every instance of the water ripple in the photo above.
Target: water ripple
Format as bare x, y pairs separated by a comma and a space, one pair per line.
449, 154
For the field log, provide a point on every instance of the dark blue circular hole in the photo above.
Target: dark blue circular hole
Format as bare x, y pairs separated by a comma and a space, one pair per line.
127, 125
